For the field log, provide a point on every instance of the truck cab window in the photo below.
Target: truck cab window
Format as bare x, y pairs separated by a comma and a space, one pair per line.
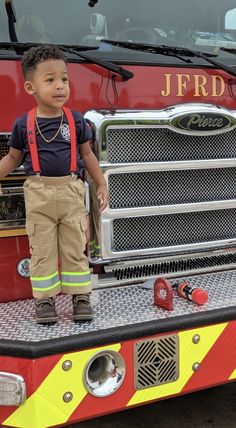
206, 25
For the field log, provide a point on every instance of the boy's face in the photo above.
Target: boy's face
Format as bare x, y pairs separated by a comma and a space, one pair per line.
49, 84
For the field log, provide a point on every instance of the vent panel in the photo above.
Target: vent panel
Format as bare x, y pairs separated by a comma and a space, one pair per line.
156, 361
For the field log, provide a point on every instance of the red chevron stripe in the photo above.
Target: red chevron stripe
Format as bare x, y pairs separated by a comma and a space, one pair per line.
219, 363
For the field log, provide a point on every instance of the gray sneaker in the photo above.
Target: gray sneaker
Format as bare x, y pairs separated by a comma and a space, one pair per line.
45, 310
82, 310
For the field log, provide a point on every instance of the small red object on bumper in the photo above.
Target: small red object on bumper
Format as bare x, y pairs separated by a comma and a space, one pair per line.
163, 294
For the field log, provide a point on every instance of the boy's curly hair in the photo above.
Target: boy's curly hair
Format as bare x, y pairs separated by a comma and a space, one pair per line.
38, 54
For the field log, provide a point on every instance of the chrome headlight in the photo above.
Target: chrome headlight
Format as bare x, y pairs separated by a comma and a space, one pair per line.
104, 373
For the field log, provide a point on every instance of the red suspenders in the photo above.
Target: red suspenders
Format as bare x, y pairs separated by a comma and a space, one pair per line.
33, 144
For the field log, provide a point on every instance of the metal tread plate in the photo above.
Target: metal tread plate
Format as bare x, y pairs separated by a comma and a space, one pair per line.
113, 308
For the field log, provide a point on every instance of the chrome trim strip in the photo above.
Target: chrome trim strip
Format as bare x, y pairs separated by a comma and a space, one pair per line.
168, 209
121, 168
5, 134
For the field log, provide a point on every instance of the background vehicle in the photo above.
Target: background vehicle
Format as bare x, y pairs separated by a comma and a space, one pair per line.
157, 83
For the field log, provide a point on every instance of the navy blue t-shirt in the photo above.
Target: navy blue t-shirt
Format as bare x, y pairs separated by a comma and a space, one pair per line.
54, 157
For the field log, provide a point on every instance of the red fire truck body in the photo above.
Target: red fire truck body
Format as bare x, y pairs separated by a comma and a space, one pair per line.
157, 84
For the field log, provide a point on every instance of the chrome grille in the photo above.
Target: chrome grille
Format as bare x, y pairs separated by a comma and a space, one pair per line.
162, 144
172, 189
173, 229
139, 189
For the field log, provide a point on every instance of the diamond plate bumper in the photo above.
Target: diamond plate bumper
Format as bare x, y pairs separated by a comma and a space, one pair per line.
120, 313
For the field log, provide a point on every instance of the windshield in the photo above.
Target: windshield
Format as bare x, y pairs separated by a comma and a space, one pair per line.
203, 25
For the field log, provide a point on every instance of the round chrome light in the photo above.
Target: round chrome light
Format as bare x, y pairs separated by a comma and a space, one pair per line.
104, 373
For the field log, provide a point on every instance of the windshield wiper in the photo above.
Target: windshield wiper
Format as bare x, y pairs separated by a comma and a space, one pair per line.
144, 47
230, 50
125, 74
172, 51
11, 19
74, 50
22, 47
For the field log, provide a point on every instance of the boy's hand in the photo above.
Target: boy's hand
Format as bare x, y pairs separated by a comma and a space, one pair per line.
102, 195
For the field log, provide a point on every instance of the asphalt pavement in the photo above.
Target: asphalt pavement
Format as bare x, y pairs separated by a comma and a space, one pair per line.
211, 408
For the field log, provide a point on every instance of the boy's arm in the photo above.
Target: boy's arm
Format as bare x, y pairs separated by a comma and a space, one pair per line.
92, 166
10, 162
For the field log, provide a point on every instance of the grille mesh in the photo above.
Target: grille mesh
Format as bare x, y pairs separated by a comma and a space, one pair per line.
146, 188
162, 144
156, 362
173, 229
4, 149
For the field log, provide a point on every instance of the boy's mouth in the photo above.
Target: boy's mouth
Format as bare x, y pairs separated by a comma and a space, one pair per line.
59, 97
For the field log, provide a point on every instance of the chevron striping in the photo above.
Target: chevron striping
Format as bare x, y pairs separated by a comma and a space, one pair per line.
45, 407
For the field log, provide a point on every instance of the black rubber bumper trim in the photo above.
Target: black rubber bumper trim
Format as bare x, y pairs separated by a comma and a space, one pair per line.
108, 336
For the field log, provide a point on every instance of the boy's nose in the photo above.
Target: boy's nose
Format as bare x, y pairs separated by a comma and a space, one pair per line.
59, 84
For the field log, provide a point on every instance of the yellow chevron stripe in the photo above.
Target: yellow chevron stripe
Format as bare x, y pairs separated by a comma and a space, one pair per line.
46, 408
233, 375
189, 354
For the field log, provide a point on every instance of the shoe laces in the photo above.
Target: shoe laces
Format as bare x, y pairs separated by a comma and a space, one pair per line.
81, 298
44, 301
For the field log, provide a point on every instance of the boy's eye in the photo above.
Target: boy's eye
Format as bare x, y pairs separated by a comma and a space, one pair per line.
50, 79
65, 79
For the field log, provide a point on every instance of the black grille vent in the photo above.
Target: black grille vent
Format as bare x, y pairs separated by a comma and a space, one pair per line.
175, 266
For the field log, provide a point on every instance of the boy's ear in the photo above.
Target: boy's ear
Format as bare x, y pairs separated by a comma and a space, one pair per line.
29, 88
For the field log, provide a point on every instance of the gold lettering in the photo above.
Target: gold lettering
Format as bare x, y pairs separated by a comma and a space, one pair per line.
166, 92
199, 85
182, 84
220, 86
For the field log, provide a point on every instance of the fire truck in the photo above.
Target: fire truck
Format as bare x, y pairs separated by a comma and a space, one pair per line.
156, 82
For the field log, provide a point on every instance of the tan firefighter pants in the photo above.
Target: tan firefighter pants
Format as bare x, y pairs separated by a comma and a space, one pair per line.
56, 227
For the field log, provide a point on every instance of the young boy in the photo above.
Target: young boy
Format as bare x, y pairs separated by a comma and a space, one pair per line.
54, 192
